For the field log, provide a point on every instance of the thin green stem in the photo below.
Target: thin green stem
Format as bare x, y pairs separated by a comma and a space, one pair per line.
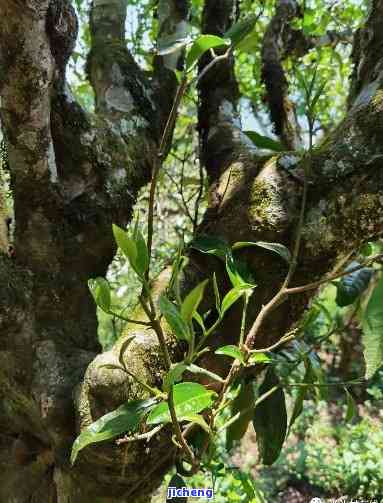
243, 321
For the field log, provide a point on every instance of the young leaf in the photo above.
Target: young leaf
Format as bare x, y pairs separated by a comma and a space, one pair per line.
189, 398
230, 298
372, 337
232, 351
270, 420
198, 318
202, 44
176, 482
352, 410
173, 375
100, 290
192, 301
142, 260
126, 244
258, 358
234, 272
350, 287
265, 142
124, 419
240, 30
216, 294
123, 348
196, 418
244, 400
278, 248
174, 319
211, 246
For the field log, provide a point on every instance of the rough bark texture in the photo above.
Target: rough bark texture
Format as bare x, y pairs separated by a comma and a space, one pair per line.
74, 174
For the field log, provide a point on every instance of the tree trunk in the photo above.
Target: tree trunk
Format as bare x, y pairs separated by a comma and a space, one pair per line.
74, 174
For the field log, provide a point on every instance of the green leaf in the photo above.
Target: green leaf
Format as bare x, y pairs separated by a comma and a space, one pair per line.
240, 30
173, 375
142, 260
100, 290
238, 272
278, 248
192, 301
173, 317
198, 318
352, 410
232, 351
122, 420
126, 244
309, 24
176, 482
189, 398
196, 418
261, 141
258, 358
302, 393
230, 298
350, 287
248, 486
202, 44
216, 294
244, 400
270, 420
211, 246
171, 45
123, 348
372, 337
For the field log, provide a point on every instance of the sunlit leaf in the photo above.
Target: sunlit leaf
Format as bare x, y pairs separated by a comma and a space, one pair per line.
197, 419
123, 348
100, 290
189, 398
240, 30
173, 375
239, 273
232, 351
125, 419
258, 358
142, 260
202, 44
126, 244
192, 301
230, 298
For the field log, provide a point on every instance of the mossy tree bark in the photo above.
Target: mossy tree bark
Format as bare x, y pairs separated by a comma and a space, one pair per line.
74, 174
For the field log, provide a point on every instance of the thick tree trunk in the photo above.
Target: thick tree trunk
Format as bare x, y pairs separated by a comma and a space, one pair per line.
74, 174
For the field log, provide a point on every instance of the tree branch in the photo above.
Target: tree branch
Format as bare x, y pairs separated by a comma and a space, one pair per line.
282, 110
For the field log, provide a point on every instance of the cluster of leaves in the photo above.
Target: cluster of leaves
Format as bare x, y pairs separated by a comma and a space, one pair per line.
262, 402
